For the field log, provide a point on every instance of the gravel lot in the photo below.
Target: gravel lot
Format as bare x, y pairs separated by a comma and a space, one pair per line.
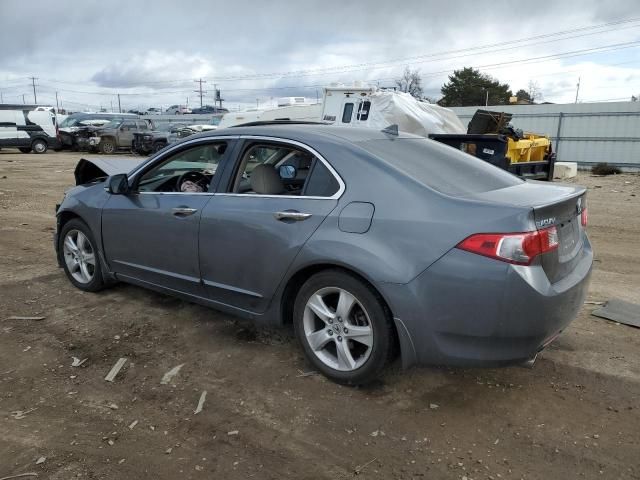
576, 414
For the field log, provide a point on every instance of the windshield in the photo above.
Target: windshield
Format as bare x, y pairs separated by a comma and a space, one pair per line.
440, 167
68, 122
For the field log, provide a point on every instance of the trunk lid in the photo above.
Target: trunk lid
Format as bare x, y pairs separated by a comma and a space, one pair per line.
551, 205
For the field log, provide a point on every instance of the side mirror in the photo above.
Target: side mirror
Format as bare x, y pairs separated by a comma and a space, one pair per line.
118, 184
287, 172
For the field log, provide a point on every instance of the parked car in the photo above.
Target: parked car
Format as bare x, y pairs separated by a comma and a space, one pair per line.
362, 239
116, 135
177, 110
153, 141
206, 109
29, 128
77, 127
153, 111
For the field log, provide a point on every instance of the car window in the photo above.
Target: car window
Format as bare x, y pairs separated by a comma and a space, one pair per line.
142, 126
279, 169
363, 110
321, 182
347, 112
196, 163
128, 125
440, 167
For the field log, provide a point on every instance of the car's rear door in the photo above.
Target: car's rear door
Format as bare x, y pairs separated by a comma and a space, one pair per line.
248, 240
151, 234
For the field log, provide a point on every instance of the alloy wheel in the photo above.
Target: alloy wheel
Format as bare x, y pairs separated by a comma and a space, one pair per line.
338, 329
79, 256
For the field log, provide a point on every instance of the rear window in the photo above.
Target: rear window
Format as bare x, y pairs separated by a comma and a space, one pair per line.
439, 166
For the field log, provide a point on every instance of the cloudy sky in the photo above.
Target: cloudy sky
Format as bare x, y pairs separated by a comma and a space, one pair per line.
254, 51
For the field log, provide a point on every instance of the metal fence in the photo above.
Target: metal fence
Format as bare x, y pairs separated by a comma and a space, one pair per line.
587, 133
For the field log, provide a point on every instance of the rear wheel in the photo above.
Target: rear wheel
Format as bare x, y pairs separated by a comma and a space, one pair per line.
80, 256
344, 327
107, 145
39, 146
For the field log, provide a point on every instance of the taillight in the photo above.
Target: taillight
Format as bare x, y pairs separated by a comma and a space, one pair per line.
517, 248
584, 216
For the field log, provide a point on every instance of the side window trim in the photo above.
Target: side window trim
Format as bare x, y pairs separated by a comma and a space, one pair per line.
238, 158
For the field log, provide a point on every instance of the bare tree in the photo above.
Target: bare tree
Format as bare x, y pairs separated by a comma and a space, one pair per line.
534, 91
410, 82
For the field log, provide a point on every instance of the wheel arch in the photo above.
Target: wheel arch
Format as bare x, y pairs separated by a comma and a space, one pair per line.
295, 282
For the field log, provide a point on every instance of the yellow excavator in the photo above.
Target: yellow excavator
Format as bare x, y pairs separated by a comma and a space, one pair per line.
491, 138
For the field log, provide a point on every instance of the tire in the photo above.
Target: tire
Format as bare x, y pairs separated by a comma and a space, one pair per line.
157, 146
365, 332
80, 271
39, 146
107, 146
25, 149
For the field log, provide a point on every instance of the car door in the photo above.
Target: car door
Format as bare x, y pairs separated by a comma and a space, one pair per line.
125, 133
151, 233
249, 238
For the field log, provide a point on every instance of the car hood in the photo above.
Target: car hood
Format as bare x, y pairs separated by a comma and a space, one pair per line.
97, 169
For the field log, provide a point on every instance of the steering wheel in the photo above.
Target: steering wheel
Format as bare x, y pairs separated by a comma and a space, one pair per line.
196, 177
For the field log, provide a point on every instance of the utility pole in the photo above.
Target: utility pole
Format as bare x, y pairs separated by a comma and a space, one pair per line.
201, 92
23, 98
119, 106
577, 90
57, 104
33, 83
1, 99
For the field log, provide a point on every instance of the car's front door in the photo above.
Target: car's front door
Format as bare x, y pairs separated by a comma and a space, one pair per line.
125, 133
251, 232
151, 233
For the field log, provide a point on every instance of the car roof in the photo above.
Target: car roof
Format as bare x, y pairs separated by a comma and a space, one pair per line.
309, 132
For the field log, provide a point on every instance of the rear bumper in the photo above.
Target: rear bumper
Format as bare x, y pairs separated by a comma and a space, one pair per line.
468, 310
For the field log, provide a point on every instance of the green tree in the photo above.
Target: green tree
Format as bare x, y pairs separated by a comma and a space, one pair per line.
469, 87
523, 95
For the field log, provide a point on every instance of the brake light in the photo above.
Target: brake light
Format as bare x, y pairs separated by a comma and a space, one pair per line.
584, 217
517, 248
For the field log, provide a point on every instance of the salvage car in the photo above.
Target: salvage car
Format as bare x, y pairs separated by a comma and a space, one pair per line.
366, 241
153, 141
116, 135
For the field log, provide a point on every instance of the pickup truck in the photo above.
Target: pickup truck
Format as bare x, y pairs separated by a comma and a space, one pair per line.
116, 135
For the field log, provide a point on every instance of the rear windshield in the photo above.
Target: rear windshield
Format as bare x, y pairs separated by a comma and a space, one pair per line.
439, 166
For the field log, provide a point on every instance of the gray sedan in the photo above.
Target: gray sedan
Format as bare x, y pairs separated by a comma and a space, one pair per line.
368, 242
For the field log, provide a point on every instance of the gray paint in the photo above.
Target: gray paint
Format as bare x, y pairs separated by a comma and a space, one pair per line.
449, 306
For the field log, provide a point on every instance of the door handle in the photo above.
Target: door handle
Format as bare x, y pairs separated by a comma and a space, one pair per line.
291, 215
183, 211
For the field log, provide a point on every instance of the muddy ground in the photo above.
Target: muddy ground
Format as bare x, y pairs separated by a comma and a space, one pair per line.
576, 414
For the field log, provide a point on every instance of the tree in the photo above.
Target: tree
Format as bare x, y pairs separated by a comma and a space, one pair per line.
410, 82
523, 95
534, 91
469, 87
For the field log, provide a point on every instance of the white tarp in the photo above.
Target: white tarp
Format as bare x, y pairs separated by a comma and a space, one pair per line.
411, 116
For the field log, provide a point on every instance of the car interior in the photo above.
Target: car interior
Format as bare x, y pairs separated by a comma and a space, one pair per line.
271, 169
188, 171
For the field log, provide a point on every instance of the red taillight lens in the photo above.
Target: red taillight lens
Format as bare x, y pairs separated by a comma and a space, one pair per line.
518, 248
584, 216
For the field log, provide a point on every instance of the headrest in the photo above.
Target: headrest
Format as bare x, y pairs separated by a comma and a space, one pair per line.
266, 180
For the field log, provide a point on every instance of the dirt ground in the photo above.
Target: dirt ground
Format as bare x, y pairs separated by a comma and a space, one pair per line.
576, 414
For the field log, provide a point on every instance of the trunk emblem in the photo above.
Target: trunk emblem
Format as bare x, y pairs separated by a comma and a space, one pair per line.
545, 222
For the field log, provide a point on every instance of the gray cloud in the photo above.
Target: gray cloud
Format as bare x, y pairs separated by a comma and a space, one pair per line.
156, 49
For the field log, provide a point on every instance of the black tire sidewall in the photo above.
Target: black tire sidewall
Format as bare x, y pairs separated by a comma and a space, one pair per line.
378, 315
97, 283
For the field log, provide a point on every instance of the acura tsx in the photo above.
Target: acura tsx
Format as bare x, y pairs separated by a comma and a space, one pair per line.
368, 242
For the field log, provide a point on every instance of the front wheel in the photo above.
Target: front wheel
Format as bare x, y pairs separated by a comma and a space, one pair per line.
80, 256
107, 146
344, 327
39, 146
